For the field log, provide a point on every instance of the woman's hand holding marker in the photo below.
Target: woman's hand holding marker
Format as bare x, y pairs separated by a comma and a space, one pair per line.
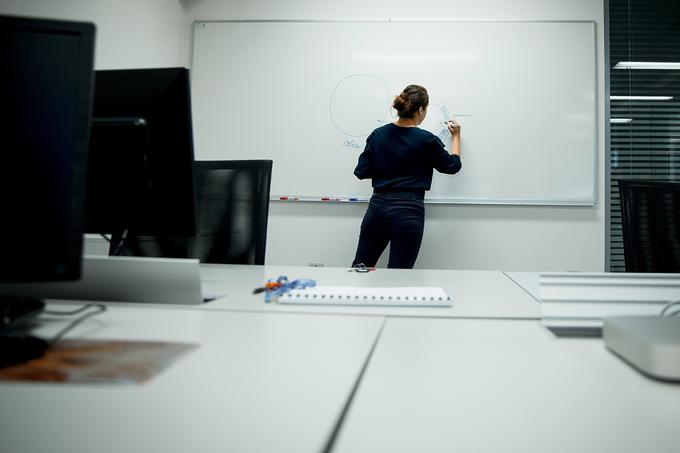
454, 127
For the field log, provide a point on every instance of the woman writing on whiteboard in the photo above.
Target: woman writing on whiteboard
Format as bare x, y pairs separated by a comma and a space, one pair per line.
399, 158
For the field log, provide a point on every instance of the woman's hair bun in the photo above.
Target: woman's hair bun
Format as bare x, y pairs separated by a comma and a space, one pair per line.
410, 100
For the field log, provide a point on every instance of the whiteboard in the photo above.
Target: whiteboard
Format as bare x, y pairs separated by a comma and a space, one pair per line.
306, 94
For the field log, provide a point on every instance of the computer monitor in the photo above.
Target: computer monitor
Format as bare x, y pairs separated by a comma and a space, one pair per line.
46, 82
140, 176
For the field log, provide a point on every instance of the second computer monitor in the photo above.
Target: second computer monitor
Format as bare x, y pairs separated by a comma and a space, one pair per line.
140, 176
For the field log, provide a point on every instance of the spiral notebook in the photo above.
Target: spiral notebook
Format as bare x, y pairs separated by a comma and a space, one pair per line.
415, 296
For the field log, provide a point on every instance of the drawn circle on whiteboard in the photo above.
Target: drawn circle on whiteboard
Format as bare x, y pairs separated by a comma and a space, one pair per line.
359, 103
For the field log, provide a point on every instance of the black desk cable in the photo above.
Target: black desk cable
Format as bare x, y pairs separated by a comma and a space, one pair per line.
100, 309
17, 347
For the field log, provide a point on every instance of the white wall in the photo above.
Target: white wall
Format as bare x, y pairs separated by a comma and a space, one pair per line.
130, 33
457, 237
158, 33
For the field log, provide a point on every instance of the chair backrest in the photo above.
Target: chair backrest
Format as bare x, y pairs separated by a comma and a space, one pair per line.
232, 209
650, 220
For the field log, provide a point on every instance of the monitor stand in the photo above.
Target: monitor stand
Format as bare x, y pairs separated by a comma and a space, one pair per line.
650, 344
124, 279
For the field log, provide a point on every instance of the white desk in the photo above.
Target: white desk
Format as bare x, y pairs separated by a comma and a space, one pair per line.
258, 383
443, 385
475, 294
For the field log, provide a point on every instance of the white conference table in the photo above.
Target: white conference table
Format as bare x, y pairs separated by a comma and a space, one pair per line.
258, 383
443, 385
482, 376
474, 293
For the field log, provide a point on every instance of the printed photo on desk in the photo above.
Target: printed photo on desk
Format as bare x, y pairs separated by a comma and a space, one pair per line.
99, 362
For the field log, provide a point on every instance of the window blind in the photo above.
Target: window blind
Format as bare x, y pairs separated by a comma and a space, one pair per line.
644, 132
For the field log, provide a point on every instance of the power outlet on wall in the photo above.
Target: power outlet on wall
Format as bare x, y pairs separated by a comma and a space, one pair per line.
316, 264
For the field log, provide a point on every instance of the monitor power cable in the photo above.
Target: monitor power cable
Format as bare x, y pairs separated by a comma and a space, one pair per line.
100, 308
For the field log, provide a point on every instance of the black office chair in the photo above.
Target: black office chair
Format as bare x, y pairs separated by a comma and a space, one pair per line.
232, 199
650, 219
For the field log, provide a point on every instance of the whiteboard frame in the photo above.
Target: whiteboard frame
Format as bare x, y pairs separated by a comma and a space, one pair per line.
588, 202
